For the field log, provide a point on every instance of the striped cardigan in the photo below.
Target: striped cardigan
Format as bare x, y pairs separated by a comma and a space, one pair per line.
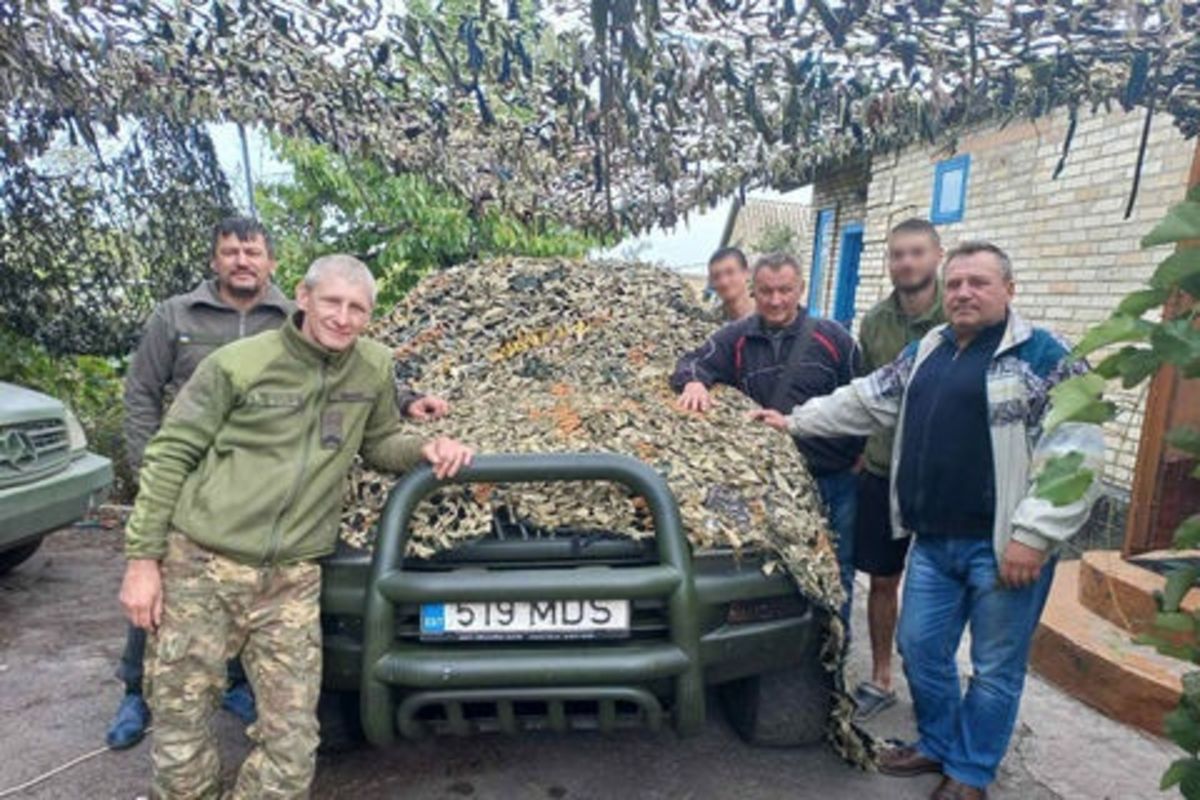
1027, 364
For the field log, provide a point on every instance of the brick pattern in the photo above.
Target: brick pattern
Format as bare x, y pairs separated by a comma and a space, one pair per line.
844, 191
1073, 252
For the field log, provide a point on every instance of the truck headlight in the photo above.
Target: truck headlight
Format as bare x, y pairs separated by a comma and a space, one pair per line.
76, 438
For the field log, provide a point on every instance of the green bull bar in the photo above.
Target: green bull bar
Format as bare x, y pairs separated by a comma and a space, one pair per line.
514, 669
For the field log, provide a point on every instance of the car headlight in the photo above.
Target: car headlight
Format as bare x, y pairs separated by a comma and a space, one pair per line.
76, 438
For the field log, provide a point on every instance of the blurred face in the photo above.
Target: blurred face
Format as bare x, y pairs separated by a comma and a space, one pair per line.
728, 278
777, 295
913, 259
976, 294
243, 268
335, 311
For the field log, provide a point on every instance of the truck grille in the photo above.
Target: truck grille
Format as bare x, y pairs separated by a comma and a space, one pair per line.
29, 450
467, 712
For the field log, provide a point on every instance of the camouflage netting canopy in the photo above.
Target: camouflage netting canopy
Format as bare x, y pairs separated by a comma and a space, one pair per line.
608, 114
542, 356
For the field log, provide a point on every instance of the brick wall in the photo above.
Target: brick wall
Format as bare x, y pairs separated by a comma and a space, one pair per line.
1073, 253
845, 192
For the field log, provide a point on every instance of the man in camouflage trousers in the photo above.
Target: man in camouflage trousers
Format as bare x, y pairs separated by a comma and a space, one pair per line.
240, 300
240, 495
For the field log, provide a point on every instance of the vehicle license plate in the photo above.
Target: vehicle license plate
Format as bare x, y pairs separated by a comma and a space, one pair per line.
548, 619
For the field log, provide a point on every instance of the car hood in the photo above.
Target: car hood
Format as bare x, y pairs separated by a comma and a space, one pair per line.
18, 404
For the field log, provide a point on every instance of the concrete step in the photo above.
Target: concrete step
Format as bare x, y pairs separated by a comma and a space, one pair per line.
1095, 661
1122, 592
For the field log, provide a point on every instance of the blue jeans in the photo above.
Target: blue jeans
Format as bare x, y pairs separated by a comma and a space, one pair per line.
950, 583
839, 491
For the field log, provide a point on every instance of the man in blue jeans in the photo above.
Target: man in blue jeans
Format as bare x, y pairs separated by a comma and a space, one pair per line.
779, 356
968, 403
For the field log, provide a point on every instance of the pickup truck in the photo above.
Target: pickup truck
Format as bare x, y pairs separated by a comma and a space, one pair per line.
529, 628
48, 478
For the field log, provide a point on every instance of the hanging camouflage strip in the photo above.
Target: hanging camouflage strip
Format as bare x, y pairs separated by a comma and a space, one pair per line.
540, 356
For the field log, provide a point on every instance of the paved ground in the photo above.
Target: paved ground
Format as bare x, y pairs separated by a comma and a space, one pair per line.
62, 631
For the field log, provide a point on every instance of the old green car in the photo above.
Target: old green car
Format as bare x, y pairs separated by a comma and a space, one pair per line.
48, 478
528, 629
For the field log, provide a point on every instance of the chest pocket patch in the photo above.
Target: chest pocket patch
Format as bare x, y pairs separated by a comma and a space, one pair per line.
332, 429
334, 419
275, 399
352, 397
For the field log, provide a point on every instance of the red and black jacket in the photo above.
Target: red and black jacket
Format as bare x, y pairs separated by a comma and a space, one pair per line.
746, 355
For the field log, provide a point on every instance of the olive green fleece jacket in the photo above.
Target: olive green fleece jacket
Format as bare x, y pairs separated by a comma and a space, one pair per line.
252, 457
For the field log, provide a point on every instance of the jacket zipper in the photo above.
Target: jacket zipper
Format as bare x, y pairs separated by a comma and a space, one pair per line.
314, 423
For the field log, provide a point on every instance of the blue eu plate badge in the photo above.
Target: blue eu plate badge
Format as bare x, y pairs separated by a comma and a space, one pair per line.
433, 618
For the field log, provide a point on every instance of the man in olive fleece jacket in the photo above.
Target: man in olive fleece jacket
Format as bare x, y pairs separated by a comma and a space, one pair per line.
240, 494
239, 301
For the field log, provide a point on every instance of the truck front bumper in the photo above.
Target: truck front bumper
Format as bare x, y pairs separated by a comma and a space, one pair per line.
33, 509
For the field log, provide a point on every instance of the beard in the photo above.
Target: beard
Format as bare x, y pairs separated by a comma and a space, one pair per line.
243, 290
921, 285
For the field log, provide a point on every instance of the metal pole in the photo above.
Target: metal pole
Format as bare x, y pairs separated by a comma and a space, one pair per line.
246, 169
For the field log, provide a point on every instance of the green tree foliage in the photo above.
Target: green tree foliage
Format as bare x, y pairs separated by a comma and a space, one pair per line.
777, 238
402, 226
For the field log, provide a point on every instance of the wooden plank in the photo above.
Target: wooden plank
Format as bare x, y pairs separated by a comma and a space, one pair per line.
1163, 491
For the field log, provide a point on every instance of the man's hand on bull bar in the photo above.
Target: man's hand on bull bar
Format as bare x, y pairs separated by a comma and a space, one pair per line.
141, 593
446, 456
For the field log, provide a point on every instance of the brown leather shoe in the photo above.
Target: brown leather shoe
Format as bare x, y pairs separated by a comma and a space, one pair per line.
950, 789
906, 761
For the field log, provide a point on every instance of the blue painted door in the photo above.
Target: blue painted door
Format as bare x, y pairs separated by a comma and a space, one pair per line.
820, 256
847, 280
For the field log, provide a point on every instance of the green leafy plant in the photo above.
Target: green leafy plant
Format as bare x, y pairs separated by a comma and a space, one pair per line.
90, 385
776, 238
1149, 345
401, 225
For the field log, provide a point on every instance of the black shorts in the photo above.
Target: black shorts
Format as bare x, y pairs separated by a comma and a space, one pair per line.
875, 551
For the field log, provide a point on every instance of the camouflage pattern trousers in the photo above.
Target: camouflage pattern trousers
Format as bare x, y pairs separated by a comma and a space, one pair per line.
212, 608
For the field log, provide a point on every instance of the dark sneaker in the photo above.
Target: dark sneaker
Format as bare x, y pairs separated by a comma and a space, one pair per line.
239, 701
129, 725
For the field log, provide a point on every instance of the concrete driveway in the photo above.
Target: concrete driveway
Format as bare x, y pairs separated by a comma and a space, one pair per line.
62, 632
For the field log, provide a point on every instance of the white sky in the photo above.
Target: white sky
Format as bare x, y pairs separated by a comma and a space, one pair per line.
687, 246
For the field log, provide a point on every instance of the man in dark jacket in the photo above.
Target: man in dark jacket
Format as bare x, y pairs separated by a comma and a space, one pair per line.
758, 356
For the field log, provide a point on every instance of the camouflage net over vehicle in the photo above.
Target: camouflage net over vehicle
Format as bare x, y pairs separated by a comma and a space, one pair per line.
539, 356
